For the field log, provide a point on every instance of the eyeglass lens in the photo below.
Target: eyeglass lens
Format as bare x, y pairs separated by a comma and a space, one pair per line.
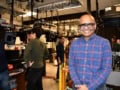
89, 25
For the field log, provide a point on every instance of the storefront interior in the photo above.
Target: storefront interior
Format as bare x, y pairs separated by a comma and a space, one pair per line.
57, 18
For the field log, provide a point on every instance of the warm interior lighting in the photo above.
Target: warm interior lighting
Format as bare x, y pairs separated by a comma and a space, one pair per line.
28, 14
117, 5
108, 9
118, 9
71, 7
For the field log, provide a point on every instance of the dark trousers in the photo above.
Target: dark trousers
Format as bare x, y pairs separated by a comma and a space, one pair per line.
4, 80
58, 67
34, 79
57, 74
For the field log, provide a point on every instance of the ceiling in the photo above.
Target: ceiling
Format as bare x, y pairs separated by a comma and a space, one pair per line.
48, 8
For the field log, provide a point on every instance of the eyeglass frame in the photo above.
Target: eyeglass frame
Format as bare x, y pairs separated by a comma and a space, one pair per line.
88, 25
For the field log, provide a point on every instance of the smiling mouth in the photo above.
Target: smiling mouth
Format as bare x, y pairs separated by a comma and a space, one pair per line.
87, 31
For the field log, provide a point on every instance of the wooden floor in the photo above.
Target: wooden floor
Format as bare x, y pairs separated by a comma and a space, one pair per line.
49, 82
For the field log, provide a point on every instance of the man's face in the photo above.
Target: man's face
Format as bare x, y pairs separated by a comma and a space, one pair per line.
31, 36
87, 25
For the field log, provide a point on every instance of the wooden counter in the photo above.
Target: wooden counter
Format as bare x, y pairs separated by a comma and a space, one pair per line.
19, 78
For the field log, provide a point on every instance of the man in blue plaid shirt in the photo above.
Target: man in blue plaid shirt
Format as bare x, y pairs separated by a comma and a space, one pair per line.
90, 57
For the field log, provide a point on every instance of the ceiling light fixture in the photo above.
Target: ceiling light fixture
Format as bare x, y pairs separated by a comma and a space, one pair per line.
28, 14
69, 8
58, 5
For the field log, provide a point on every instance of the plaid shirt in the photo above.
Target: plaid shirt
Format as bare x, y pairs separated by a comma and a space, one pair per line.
90, 61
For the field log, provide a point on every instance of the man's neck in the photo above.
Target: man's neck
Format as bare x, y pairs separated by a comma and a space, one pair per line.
86, 38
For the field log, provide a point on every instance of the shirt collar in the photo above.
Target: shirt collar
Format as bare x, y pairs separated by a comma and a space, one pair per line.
91, 38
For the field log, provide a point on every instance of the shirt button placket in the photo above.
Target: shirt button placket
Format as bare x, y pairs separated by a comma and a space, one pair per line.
85, 63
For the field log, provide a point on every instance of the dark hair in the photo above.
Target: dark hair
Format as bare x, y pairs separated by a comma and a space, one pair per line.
29, 31
38, 32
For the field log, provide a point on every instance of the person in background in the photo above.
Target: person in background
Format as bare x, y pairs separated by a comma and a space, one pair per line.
34, 55
4, 75
113, 42
60, 55
29, 36
90, 57
67, 48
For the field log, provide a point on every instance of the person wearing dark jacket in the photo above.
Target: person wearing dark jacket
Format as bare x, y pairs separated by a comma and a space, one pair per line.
34, 55
60, 54
4, 75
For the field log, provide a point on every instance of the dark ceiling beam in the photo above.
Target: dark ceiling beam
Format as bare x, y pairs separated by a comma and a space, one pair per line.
89, 6
22, 0
12, 13
32, 5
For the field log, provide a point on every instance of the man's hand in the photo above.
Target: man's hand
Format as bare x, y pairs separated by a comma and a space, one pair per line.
81, 87
31, 63
59, 61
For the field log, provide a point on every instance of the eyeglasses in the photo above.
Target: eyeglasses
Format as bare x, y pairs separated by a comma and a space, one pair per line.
89, 25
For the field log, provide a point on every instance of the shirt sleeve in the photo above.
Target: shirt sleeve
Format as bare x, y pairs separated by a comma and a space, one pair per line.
27, 53
46, 53
72, 66
101, 76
